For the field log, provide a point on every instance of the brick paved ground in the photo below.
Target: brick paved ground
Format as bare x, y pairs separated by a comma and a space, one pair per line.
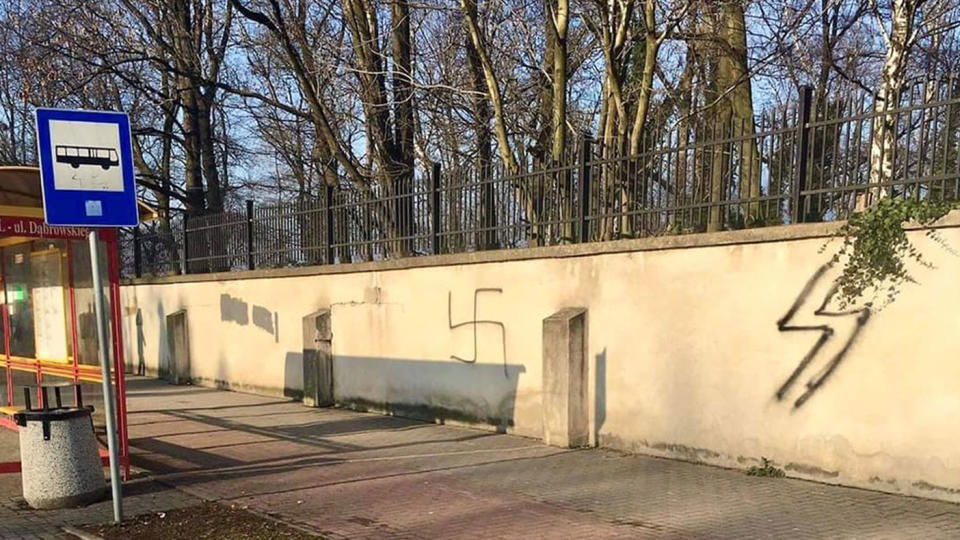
141, 496
350, 475
353, 475
17, 520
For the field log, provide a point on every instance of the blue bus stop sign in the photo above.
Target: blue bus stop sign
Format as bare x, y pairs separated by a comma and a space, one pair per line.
86, 168
86, 175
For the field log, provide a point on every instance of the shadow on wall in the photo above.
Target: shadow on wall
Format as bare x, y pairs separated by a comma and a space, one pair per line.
266, 320
293, 375
87, 330
234, 310
141, 342
237, 311
826, 331
435, 391
600, 392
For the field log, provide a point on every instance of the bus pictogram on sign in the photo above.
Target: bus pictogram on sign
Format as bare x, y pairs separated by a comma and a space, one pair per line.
75, 156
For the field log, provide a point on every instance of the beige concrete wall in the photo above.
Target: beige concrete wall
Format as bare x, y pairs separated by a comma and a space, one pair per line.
685, 353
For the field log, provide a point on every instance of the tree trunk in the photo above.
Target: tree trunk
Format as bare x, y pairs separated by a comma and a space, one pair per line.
611, 168
561, 15
208, 155
735, 74
651, 46
883, 139
393, 147
481, 126
493, 87
612, 31
507, 155
182, 27
733, 115
544, 143
684, 103
403, 113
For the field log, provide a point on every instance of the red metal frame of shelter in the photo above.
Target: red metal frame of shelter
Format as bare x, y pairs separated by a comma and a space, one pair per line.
24, 222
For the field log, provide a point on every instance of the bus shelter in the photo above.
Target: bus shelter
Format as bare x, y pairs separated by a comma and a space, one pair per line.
47, 313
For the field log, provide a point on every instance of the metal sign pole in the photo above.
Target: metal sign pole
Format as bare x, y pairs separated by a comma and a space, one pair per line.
88, 180
102, 347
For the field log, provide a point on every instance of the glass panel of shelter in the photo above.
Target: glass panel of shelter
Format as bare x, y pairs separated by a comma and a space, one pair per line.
83, 297
35, 276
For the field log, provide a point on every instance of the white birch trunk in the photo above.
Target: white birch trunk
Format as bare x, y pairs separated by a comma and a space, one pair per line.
883, 139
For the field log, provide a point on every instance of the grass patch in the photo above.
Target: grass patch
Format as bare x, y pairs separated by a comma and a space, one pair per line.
766, 468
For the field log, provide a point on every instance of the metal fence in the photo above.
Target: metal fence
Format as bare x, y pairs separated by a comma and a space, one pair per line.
153, 248
805, 162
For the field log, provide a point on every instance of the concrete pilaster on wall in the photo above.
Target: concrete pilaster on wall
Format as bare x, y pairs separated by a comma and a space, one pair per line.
317, 359
565, 418
178, 343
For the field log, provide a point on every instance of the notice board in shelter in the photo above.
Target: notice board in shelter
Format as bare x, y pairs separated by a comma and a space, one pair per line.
49, 305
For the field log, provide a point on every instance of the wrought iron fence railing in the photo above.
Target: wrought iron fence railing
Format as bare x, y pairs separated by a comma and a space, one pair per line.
805, 162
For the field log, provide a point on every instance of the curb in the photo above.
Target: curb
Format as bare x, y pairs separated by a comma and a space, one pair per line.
271, 517
80, 534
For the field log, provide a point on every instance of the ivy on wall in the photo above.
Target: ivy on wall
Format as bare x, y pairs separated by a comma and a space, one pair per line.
876, 249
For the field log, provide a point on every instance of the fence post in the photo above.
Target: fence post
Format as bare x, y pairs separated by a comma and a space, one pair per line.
250, 264
489, 221
137, 254
803, 149
585, 157
367, 219
435, 207
328, 212
185, 266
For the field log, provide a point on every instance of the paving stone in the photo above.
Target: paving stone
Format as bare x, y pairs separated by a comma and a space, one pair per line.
350, 475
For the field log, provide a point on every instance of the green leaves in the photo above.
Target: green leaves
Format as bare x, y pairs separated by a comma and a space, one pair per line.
876, 249
766, 468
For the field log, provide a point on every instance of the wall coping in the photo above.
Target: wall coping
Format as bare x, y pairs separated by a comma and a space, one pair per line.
780, 233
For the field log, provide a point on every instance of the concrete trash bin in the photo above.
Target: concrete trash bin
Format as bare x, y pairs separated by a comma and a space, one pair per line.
59, 459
